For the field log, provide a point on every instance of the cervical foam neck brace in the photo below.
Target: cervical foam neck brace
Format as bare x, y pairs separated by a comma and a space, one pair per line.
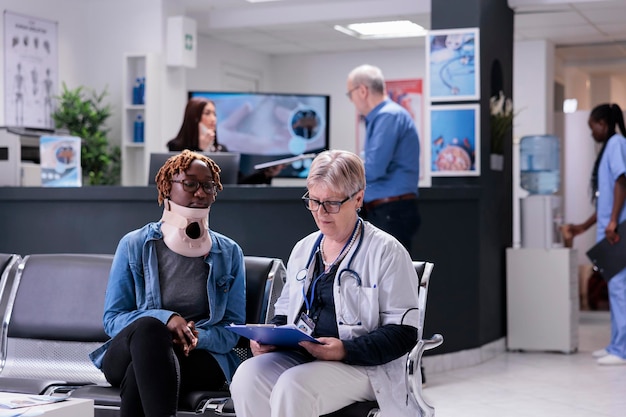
185, 230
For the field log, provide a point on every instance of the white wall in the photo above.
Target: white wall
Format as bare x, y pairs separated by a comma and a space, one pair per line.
577, 86
327, 74
579, 154
533, 87
72, 44
618, 91
93, 37
215, 56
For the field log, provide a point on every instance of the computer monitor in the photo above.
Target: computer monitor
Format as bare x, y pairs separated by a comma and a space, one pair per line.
264, 127
227, 161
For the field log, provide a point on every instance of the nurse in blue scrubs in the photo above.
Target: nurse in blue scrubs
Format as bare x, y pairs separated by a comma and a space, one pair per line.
608, 184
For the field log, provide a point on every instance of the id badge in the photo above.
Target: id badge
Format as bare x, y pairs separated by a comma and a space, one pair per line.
305, 324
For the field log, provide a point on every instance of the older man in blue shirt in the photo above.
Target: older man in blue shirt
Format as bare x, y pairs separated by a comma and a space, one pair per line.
391, 156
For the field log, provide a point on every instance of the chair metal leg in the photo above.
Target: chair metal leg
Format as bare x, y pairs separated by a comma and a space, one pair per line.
413, 378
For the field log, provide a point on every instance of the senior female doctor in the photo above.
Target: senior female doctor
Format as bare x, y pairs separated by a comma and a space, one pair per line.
351, 286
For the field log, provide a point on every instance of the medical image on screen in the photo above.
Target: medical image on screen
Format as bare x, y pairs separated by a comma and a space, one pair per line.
265, 127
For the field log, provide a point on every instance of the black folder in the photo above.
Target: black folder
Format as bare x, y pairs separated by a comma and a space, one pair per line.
609, 259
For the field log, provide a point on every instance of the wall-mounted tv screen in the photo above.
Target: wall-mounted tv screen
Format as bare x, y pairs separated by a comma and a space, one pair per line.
264, 127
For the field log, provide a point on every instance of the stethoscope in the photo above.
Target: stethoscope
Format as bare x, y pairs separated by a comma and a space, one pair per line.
351, 273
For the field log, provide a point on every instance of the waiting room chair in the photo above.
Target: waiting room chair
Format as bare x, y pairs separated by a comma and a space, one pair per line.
8, 268
53, 320
264, 281
413, 378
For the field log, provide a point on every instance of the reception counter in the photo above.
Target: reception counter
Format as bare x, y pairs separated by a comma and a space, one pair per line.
268, 221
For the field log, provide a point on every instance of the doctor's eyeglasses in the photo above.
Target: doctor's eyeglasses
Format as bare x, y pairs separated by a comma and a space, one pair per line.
330, 207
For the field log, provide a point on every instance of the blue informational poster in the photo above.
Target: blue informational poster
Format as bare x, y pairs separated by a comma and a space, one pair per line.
60, 161
453, 58
455, 140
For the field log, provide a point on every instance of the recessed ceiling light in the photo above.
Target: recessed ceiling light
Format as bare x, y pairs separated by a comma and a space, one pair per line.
381, 30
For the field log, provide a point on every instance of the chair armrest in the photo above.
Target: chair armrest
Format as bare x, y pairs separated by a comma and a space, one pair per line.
433, 342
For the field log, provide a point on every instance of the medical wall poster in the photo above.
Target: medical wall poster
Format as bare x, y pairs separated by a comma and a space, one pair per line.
60, 161
455, 140
30, 70
410, 95
452, 64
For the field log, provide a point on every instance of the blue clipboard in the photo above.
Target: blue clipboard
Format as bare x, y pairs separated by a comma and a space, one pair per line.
609, 259
270, 334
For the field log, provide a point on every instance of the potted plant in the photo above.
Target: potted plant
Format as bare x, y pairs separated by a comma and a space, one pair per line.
501, 118
83, 113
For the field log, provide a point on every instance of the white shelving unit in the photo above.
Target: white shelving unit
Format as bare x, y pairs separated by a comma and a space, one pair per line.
135, 155
542, 299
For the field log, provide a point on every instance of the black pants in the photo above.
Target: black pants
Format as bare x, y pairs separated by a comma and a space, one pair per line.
143, 361
401, 219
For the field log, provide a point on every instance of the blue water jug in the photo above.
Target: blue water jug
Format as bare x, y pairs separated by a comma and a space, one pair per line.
540, 167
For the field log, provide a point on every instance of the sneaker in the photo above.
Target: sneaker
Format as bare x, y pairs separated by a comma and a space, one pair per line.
599, 353
611, 360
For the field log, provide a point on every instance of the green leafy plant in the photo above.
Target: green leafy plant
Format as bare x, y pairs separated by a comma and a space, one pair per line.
83, 113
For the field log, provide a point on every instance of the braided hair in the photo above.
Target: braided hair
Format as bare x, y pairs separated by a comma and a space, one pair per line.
181, 163
612, 115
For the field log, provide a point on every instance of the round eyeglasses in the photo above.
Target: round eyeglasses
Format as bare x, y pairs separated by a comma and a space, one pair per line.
191, 186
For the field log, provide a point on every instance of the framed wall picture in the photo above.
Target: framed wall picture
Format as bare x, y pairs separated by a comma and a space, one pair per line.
452, 64
455, 140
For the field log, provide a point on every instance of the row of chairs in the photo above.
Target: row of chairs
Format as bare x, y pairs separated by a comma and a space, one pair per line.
51, 309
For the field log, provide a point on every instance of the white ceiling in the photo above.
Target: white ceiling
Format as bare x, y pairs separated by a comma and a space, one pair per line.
590, 33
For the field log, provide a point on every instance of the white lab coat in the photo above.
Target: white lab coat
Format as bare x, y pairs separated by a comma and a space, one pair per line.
388, 295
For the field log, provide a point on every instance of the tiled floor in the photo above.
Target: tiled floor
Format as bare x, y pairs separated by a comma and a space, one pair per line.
535, 384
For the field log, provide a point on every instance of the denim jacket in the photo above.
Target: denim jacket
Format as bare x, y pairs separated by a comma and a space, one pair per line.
133, 292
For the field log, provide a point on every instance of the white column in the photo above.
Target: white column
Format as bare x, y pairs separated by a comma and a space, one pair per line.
533, 97
600, 89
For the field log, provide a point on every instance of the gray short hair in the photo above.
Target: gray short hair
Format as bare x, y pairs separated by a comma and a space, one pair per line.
369, 76
341, 171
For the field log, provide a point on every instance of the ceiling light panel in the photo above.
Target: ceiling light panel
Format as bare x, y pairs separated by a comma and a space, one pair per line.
381, 30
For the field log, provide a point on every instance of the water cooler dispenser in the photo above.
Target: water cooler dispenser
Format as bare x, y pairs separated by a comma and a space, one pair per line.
541, 212
541, 276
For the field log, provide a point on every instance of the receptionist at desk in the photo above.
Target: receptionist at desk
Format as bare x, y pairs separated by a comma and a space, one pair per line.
199, 133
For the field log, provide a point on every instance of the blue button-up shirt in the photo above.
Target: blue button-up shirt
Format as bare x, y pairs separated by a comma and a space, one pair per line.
392, 152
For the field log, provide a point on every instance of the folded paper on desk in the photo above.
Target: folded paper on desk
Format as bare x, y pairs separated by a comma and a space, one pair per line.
609, 259
285, 161
9, 400
269, 334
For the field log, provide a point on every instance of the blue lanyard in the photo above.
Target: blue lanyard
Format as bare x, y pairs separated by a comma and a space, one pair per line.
308, 303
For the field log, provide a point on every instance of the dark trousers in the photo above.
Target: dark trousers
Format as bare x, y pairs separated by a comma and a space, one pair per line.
401, 219
150, 370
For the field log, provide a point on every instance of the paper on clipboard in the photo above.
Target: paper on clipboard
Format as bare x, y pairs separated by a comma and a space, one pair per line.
285, 161
269, 334
607, 258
